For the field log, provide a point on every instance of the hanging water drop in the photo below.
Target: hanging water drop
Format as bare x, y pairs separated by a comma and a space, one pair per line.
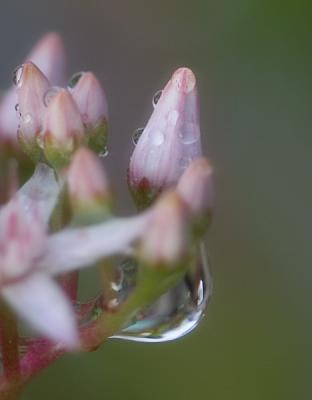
156, 97
136, 135
177, 312
74, 79
17, 75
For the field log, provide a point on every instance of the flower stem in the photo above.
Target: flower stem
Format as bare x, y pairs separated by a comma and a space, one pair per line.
9, 344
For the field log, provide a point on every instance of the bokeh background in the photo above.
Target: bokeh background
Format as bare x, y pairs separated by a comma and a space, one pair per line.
253, 63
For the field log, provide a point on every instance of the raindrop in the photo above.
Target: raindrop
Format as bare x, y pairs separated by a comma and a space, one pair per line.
74, 79
50, 94
184, 162
17, 109
136, 135
157, 137
177, 312
190, 133
156, 97
17, 75
104, 153
173, 117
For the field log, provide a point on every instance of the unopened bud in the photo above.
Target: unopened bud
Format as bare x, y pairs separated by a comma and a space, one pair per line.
165, 243
92, 103
31, 86
170, 140
196, 188
88, 185
49, 55
63, 130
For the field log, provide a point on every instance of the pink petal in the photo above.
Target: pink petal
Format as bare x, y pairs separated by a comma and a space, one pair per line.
42, 304
77, 248
40, 194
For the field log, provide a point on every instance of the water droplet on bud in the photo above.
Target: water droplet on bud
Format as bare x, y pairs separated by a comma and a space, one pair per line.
104, 153
17, 75
156, 97
190, 133
74, 79
50, 94
136, 135
157, 137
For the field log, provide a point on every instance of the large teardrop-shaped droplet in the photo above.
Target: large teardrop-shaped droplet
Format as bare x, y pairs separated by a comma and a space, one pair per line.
177, 312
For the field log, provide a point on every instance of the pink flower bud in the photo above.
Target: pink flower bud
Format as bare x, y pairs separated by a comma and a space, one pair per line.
92, 103
31, 86
63, 130
196, 187
49, 55
90, 98
171, 138
165, 242
87, 183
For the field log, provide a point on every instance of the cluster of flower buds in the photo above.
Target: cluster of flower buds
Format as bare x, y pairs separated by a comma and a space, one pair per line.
61, 219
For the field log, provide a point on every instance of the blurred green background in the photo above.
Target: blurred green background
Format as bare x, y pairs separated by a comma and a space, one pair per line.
253, 63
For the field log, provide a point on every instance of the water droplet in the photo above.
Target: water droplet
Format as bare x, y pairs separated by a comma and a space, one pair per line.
104, 153
17, 109
156, 97
74, 79
157, 137
40, 141
184, 162
177, 312
17, 75
136, 135
173, 117
50, 94
190, 133
27, 119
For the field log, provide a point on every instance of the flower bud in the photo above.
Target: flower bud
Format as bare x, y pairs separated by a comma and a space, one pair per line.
88, 185
196, 188
63, 129
165, 243
31, 86
170, 140
49, 55
92, 103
